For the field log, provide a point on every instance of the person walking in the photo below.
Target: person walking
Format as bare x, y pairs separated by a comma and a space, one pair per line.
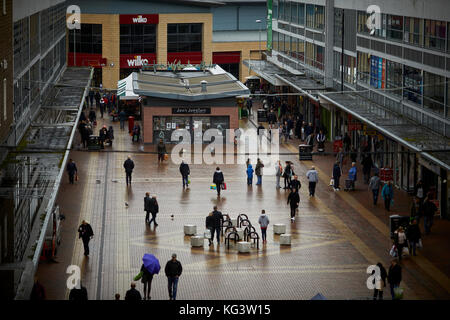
413, 236
102, 106
293, 200
161, 150
400, 241
250, 174
129, 166
91, 97
146, 279
133, 294
419, 191
388, 195
340, 158
78, 294
336, 176
209, 223
287, 175
313, 178
295, 183
394, 276
185, 172
72, 171
321, 141
85, 135
367, 164
92, 116
347, 142
278, 173
122, 119
352, 176
218, 180
173, 272
259, 171
264, 223
260, 132
154, 209
417, 210
429, 210
86, 233
380, 283
103, 135
217, 224
374, 186
136, 133
147, 201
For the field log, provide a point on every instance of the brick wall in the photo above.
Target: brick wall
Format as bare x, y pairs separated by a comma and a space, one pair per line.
149, 112
6, 54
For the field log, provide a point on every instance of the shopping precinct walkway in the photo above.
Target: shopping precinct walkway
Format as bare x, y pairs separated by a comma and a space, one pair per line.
336, 235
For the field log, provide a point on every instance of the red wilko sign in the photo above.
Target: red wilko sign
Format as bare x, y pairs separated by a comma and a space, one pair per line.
136, 60
139, 19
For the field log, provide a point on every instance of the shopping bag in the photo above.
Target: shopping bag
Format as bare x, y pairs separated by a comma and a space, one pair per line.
393, 251
189, 179
213, 186
398, 293
138, 276
224, 186
76, 177
419, 244
166, 157
405, 251
332, 182
207, 234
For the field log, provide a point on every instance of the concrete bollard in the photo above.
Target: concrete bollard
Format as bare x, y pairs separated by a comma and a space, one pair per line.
190, 229
285, 239
279, 228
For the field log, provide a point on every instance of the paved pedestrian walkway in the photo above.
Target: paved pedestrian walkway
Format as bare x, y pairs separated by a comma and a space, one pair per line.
336, 236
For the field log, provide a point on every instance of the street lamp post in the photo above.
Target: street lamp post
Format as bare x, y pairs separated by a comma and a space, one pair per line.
74, 44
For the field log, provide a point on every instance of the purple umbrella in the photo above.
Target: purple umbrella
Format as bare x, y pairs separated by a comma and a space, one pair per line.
151, 263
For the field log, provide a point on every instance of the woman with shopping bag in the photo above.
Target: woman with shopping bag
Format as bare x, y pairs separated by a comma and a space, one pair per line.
218, 180
401, 242
380, 283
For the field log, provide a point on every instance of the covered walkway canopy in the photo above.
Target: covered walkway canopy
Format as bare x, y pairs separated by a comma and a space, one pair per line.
431, 145
267, 71
303, 84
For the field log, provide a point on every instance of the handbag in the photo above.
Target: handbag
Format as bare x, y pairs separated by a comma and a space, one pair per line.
166, 157
393, 251
224, 186
138, 276
398, 293
213, 186
405, 251
332, 182
76, 177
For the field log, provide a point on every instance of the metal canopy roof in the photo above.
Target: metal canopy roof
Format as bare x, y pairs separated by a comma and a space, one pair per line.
187, 85
431, 145
303, 84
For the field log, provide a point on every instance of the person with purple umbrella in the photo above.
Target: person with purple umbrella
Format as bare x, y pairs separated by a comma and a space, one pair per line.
149, 267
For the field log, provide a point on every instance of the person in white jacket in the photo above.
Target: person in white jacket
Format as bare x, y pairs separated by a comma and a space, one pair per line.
264, 223
278, 173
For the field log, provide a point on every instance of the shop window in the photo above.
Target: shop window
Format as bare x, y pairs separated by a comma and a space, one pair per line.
275, 41
377, 72
281, 42
394, 79
338, 27
301, 14
310, 16
435, 34
414, 31
319, 57
281, 10
301, 50
309, 59
294, 13
287, 11
319, 17
434, 92
87, 40
275, 10
184, 37
363, 69
395, 27
412, 82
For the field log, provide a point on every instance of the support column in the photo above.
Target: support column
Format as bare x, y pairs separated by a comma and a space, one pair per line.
329, 42
444, 194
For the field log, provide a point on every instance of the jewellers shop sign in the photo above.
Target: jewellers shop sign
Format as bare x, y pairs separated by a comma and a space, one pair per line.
139, 19
191, 110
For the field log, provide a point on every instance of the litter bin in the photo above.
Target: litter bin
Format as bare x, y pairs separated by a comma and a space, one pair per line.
130, 124
395, 221
262, 115
305, 152
94, 143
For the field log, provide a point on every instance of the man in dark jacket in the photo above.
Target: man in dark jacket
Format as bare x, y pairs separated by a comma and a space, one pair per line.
97, 97
122, 119
129, 166
218, 180
185, 171
429, 210
295, 184
413, 235
71, 170
103, 134
86, 233
336, 176
258, 171
293, 200
173, 272
394, 276
210, 225
78, 294
133, 294
367, 164
154, 209
92, 116
161, 150
147, 201
217, 218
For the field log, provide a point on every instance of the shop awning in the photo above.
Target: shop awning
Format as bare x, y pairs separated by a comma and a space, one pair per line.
266, 70
125, 89
432, 146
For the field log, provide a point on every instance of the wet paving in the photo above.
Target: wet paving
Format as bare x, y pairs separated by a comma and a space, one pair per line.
333, 240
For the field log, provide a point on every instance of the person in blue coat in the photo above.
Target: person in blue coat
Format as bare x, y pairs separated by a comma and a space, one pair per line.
250, 174
336, 175
388, 195
352, 173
